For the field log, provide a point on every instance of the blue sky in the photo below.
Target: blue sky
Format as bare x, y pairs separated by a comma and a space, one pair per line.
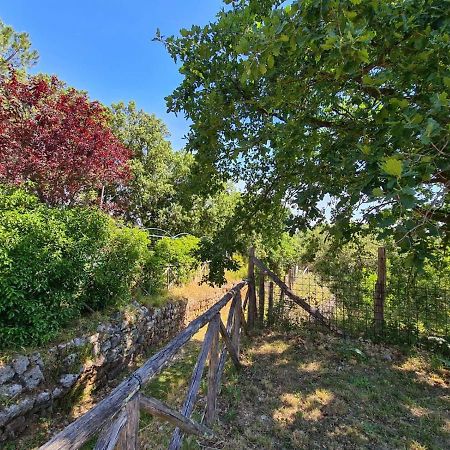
105, 46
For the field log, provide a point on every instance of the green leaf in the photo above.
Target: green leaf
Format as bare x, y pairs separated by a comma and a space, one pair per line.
407, 201
431, 127
363, 55
417, 118
350, 14
401, 102
393, 167
377, 192
243, 45
367, 79
270, 61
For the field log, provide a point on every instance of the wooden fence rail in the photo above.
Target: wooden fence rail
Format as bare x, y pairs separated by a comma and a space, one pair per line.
116, 418
286, 289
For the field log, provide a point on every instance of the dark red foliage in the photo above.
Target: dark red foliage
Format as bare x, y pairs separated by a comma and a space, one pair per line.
56, 138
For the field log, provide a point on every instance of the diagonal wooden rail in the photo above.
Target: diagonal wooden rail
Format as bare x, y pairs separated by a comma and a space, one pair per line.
115, 419
286, 290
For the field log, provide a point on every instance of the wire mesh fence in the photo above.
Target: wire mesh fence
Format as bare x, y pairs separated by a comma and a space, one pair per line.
412, 310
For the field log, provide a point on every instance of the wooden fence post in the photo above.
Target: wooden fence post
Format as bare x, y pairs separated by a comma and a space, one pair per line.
128, 439
236, 330
282, 300
380, 291
290, 279
251, 290
211, 398
262, 295
270, 305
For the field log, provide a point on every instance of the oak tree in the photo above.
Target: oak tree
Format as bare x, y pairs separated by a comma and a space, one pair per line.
339, 109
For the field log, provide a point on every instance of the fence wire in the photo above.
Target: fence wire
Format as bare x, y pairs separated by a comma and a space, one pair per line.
411, 311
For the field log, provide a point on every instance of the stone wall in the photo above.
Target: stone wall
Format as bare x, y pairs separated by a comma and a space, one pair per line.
30, 384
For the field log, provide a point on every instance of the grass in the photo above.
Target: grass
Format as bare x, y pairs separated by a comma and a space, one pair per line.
307, 389
302, 388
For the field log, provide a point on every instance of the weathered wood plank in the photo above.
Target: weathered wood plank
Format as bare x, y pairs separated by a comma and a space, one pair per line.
159, 409
229, 344
223, 352
251, 314
110, 434
79, 431
236, 330
211, 396
295, 298
262, 297
129, 436
244, 305
191, 397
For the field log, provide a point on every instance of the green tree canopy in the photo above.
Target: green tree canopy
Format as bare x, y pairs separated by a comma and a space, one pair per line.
15, 50
159, 194
151, 197
309, 101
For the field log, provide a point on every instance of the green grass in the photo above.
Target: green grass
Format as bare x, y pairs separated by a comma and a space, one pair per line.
308, 389
305, 389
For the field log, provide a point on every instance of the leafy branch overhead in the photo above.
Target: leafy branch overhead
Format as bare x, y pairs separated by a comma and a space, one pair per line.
324, 101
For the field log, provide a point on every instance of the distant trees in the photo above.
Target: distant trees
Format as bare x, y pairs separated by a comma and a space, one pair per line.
57, 139
159, 193
152, 195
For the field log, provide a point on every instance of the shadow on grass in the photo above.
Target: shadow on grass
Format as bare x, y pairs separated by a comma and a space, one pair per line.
311, 390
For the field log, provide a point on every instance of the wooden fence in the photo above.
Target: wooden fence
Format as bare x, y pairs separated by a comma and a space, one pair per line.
286, 291
115, 419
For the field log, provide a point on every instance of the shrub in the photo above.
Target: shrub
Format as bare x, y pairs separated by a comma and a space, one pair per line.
118, 266
177, 254
55, 263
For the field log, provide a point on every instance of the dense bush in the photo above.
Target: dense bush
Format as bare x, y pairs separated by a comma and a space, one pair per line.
118, 266
178, 255
55, 263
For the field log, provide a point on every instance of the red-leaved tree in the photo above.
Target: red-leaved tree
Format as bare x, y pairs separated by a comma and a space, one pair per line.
56, 138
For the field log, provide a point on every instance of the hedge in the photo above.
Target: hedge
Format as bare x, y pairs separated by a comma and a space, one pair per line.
59, 263
56, 263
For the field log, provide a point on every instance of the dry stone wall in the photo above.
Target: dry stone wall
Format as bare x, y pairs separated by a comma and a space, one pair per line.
32, 384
